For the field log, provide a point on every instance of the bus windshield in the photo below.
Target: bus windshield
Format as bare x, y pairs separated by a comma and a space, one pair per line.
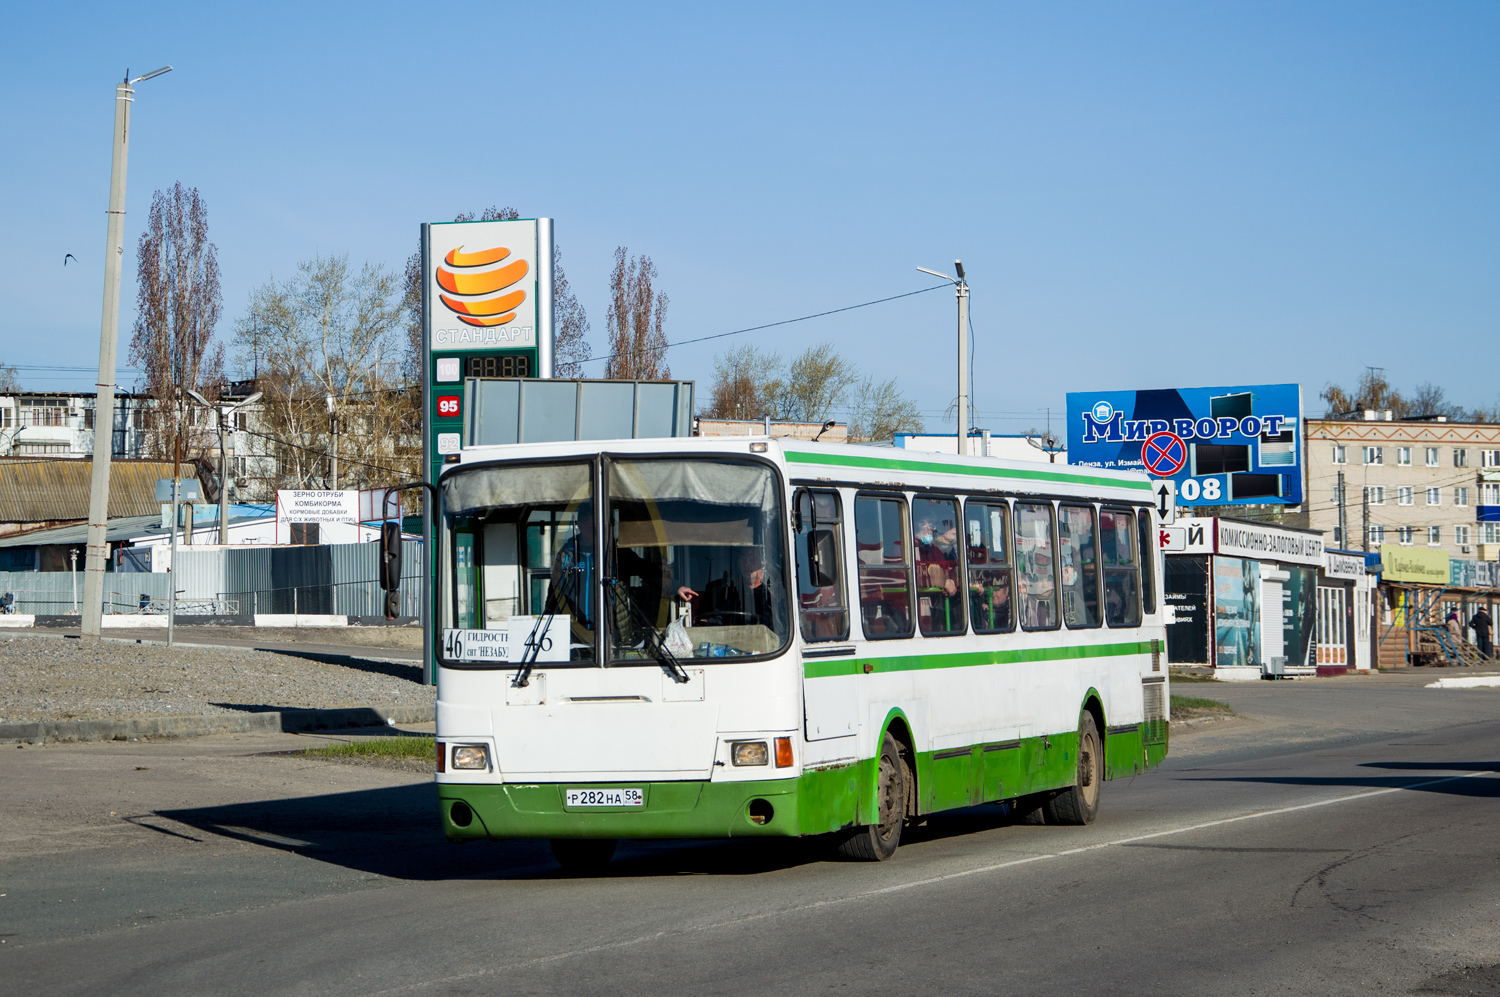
698, 546
693, 555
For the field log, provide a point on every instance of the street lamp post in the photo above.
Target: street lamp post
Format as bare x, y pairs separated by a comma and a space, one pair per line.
226, 478
961, 289
97, 550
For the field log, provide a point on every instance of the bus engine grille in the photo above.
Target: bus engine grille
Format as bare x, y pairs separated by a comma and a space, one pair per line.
1154, 694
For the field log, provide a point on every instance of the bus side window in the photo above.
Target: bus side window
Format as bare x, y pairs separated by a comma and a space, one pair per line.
819, 543
987, 541
1036, 546
1148, 560
1122, 571
1079, 561
940, 580
884, 552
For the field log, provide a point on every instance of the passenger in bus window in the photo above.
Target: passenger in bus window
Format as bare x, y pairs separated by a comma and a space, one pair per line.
740, 598
940, 608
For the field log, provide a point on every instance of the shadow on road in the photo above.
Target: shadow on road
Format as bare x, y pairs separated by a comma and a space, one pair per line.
394, 832
1437, 777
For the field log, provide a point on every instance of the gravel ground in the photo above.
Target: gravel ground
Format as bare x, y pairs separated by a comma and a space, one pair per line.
47, 678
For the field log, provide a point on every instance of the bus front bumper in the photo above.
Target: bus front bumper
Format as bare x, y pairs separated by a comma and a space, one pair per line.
768, 808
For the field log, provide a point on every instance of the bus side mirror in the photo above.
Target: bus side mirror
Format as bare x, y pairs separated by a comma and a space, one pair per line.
823, 558
390, 556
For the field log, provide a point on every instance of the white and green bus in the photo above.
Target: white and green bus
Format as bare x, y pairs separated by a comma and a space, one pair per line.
732, 637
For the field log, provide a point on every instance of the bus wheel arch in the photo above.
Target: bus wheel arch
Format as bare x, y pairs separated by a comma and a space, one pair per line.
1094, 704
898, 727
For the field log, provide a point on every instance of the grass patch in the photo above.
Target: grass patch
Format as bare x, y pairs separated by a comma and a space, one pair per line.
417, 748
1198, 704
1190, 677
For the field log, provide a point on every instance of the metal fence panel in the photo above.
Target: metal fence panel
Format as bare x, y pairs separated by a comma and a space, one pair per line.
335, 579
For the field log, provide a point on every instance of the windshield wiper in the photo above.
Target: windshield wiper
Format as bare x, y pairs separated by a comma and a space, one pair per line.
538, 631
652, 637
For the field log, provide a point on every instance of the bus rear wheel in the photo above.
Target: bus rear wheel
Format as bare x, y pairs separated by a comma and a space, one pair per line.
878, 842
583, 854
1079, 803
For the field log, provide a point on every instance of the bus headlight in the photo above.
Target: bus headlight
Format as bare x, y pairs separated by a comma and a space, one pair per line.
749, 753
471, 756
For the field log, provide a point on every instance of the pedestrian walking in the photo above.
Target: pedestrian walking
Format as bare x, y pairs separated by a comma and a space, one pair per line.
1481, 624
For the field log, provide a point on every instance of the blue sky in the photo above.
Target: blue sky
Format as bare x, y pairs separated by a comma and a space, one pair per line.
1144, 195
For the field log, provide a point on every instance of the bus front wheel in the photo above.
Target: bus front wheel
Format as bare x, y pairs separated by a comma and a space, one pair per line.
1079, 803
877, 842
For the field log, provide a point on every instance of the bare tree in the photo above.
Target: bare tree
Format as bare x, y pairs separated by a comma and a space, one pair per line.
880, 411
637, 311
572, 323
10, 382
1372, 392
741, 377
814, 384
178, 304
332, 332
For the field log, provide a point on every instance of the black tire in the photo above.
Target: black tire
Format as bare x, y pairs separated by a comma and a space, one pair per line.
1079, 803
878, 842
583, 854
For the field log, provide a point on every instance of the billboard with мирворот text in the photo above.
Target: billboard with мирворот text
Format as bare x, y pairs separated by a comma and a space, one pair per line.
1230, 445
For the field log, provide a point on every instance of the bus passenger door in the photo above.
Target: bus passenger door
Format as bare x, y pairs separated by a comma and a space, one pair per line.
829, 687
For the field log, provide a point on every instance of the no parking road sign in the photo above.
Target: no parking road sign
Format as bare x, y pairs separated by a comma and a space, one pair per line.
1164, 454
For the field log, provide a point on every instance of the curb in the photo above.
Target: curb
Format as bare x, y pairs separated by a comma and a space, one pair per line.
280, 721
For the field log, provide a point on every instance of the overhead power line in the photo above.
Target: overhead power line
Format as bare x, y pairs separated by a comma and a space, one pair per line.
770, 325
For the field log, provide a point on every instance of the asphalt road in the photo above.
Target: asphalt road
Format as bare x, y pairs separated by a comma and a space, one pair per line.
1343, 837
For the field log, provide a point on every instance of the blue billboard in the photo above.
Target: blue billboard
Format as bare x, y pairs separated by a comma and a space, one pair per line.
1238, 445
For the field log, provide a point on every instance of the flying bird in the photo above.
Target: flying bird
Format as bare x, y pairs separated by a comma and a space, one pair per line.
68, 257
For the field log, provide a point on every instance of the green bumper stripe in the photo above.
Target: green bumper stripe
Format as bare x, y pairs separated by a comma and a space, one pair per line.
898, 464
825, 668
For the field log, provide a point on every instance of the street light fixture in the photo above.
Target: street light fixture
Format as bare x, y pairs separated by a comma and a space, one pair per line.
961, 289
97, 550
226, 460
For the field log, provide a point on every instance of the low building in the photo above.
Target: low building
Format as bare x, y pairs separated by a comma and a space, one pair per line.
39, 493
1242, 597
836, 433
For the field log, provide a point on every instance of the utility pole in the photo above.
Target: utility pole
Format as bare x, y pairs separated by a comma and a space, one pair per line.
97, 549
226, 453
333, 435
961, 289
1366, 506
1343, 518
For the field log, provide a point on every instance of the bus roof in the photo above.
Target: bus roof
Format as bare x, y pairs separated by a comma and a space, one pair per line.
854, 464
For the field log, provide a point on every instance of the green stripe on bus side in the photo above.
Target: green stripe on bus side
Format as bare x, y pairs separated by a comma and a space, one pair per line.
824, 668
897, 464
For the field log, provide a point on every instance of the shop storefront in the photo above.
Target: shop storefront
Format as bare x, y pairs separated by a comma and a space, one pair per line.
1420, 590
1344, 614
1241, 597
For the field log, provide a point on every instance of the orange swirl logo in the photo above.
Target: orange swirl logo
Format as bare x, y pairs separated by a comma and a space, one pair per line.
482, 303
